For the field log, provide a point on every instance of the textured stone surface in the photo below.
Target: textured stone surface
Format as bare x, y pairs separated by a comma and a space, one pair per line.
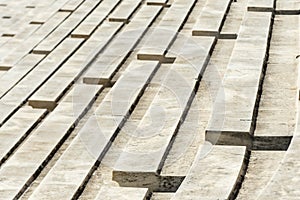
211, 18
50, 51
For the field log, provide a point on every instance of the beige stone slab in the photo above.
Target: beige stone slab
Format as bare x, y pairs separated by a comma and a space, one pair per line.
284, 183
71, 5
214, 174
65, 28
25, 163
262, 167
211, 18
288, 7
6, 110
50, 11
93, 20
17, 128
261, 5
15, 74
50, 92
3, 40
164, 34
18, 38
11, 59
48, 98
122, 193
277, 110
41, 73
251, 45
234, 17
124, 10
95, 137
104, 67
146, 149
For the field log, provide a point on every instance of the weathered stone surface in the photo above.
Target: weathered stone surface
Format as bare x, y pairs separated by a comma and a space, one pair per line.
122, 193
211, 18
211, 170
37, 149
65, 28
93, 20
124, 11
261, 5
11, 59
17, 128
161, 38
107, 63
95, 137
146, 150
237, 98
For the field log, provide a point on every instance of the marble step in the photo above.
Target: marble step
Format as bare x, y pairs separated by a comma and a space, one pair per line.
234, 109
122, 193
283, 185
19, 94
71, 5
18, 127
49, 93
97, 134
27, 86
18, 72
49, 12
125, 10
261, 5
211, 18
32, 156
234, 18
91, 22
105, 66
215, 174
17, 40
166, 31
65, 28
291, 7
146, 150
26, 47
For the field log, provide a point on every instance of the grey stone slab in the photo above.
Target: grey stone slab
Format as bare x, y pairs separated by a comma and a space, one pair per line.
21, 92
165, 32
95, 137
65, 28
237, 98
21, 168
104, 67
214, 173
11, 59
94, 19
17, 128
211, 18
124, 10
122, 193
261, 6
